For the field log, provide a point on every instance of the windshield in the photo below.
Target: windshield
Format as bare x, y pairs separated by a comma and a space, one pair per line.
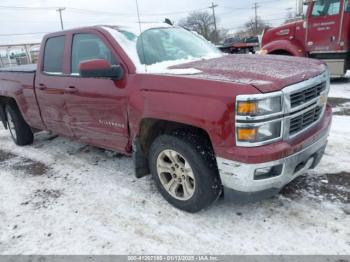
166, 45
326, 8
169, 44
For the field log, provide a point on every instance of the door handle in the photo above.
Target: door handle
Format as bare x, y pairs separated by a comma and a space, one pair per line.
71, 90
42, 87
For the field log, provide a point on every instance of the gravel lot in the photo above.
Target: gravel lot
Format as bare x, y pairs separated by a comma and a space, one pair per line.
61, 197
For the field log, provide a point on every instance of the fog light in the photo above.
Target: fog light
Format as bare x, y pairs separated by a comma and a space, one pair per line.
262, 171
268, 172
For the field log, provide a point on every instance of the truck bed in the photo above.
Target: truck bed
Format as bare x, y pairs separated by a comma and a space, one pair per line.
31, 68
18, 83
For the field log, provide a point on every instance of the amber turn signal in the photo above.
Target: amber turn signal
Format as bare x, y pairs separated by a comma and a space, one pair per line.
246, 134
247, 108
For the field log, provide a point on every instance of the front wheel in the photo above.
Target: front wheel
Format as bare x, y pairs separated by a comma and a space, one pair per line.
185, 171
20, 131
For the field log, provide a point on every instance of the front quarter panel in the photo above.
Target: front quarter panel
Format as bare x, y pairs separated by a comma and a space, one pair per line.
205, 104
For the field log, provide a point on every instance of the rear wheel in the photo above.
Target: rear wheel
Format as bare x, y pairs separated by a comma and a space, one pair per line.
20, 131
185, 171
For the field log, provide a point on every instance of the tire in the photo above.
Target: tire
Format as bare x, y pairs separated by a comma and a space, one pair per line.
20, 131
198, 184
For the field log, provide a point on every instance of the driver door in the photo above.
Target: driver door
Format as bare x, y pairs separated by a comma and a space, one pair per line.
323, 30
97, 107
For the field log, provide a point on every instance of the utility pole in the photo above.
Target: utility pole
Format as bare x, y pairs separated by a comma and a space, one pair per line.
60, 11
213, 6
256, 6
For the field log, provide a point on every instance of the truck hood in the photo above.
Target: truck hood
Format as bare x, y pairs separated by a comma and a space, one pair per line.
266, 73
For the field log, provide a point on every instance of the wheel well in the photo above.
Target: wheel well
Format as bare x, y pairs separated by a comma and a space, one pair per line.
281, 52
150, 129
4, 100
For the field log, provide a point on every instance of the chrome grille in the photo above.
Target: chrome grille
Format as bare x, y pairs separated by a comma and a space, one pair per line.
304, 120
301, 97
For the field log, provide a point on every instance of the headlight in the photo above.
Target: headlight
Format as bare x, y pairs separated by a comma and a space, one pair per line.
259, 107
259, 119
256, 133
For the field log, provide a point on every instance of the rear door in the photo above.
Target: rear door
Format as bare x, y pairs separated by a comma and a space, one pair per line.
97, 106
324, 24
50, 84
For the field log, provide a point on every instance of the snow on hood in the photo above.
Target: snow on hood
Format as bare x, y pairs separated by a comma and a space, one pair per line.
267, 73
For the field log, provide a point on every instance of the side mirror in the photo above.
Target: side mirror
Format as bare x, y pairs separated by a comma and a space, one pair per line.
100, 68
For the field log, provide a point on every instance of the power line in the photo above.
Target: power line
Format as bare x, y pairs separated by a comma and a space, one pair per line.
73, 9
87, 11
29, 8
81, 10
258, 2
36, 33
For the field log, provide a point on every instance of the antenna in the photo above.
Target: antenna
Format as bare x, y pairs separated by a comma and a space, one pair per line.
141, 38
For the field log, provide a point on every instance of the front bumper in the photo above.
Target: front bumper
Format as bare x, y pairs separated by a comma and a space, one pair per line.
241, 177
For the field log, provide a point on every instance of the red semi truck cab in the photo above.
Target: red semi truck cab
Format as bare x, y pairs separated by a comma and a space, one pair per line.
201, 122
323, 34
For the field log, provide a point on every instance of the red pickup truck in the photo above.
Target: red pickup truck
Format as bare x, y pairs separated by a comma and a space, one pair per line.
201, 122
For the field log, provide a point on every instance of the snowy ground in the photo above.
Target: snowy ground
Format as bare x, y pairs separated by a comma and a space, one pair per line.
62, 197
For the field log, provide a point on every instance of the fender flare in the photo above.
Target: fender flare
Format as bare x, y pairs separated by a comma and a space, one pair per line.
293, 48
219, 112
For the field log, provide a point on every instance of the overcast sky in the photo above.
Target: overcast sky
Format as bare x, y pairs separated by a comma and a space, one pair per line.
40, 18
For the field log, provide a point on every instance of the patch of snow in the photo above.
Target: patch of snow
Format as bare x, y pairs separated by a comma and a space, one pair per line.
336, 158
89, 202
253, 81
340, 88
129, 46
164, 67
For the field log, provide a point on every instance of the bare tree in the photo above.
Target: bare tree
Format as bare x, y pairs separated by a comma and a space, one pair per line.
250, 28
203, 24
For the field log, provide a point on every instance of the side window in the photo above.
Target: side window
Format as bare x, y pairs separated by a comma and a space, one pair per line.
326, 7
87, 47
347, 6
54, 54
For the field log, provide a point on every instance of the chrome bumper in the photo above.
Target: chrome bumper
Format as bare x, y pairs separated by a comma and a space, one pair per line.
241, 177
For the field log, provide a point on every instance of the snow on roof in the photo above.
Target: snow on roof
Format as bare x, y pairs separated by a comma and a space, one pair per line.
135, 27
